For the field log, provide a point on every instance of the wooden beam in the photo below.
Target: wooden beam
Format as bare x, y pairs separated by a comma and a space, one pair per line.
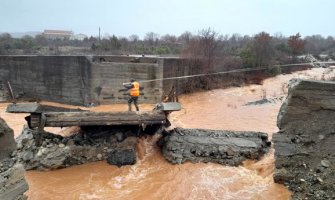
65, 119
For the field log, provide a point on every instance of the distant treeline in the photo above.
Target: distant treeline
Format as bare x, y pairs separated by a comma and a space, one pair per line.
208, 46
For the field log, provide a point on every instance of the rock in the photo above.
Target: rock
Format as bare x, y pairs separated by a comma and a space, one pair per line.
122, 157
99, 156
306, 137
319, 180
325, 163
49, 145
44, 143
61, 145
28, 155
261, 102
55, 140
119, 136
70, 143
282, 175
225, 147
321, 137
7, 143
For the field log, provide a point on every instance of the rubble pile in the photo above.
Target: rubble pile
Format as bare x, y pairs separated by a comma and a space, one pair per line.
45, 151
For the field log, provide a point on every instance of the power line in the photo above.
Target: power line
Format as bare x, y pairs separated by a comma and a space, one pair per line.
233, 71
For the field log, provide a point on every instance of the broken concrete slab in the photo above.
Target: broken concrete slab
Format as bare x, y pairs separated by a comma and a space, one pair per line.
304, 146
168, 106
225, 147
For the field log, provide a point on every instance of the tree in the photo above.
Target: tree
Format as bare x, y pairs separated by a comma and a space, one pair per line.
204, 47
151, 38
168, 39
6, 41
185, 37
26, 43
41, 40
115, 43
296, 44
133, 38
259, 52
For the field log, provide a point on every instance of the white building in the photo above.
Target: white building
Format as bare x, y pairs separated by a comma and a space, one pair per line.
79, 36
57, 34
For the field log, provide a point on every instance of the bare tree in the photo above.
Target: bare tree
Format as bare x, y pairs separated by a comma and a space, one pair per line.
152, 38
259, 52
296, 44
185, 37
204, 47
134, 38
263, 48
168, 39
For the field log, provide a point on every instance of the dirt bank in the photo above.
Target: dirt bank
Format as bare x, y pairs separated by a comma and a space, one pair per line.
305, 151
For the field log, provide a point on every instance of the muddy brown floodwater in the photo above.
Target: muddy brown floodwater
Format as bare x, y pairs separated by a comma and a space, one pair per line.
154, 178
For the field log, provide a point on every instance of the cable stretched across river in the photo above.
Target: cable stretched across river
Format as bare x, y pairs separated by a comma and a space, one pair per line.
232, 71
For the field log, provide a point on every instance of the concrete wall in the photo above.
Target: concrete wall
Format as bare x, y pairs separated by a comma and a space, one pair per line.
78, 79
107, 78
81, 80
53, 78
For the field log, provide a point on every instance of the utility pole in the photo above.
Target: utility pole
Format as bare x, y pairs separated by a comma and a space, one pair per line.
99, 35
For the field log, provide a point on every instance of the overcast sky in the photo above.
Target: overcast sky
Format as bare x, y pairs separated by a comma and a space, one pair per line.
127, 17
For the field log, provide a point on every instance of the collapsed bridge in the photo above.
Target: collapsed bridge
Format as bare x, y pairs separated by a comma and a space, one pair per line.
51, 116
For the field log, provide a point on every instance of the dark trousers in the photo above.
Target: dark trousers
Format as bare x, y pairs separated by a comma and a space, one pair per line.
133, 99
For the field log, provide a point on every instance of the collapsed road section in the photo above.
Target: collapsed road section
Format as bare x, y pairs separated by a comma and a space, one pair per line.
305, 144
114, 136
224, 147
110, 136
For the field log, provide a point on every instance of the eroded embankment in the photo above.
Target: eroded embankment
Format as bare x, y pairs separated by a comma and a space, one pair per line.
12, 182
305, 144
224, 147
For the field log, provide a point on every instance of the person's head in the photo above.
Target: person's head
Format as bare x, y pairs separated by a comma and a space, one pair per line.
132, 80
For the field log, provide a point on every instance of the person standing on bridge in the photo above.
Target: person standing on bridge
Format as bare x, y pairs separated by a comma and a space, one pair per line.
134, 92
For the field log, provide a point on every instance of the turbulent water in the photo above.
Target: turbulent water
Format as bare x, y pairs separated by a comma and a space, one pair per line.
154, 178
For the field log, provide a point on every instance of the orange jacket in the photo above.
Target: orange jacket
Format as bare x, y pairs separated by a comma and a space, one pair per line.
135, 90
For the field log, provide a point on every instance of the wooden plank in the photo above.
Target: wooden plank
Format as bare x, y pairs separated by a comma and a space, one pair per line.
65, 119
